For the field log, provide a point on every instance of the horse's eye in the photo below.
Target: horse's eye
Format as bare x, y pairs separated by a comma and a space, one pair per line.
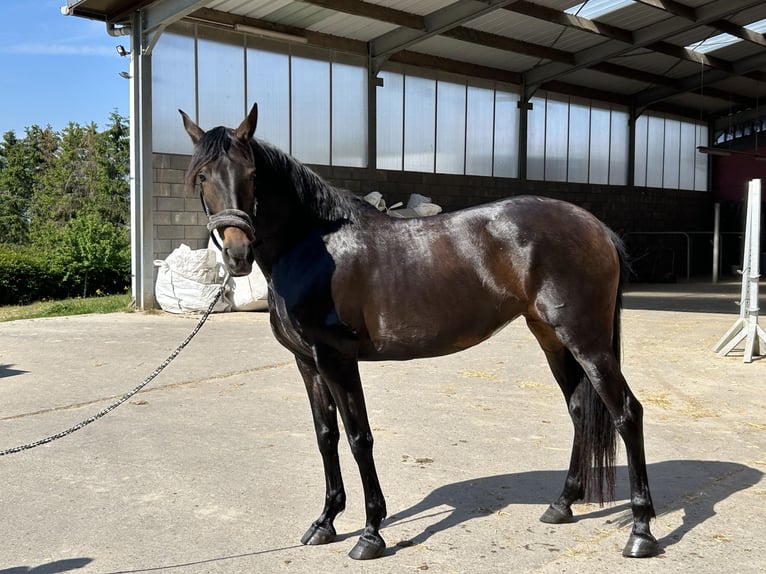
201, 177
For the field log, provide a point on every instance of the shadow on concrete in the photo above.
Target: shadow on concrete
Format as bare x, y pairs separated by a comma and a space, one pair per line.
51, 568
8, 371
690, 297
691, 486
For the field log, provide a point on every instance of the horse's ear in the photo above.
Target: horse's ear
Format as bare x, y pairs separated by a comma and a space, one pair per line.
246, 129
195, 132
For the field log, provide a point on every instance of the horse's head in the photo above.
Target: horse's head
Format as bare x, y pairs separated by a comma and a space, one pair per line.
223, 166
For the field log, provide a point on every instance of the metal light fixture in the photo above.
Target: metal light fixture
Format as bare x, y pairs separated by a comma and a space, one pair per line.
121, 50
713, 151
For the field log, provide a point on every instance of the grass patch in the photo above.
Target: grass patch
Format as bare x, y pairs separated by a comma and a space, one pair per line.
79, 306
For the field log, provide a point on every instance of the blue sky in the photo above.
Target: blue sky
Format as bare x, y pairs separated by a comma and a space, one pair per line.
55, 69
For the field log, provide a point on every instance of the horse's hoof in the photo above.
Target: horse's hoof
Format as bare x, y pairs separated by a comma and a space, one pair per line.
368, 548
641, 546
318, 534
557, 515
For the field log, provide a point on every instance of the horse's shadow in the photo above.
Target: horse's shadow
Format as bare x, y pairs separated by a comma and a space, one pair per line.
692, 486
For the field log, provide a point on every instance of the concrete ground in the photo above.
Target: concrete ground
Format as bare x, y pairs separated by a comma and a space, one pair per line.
213, 468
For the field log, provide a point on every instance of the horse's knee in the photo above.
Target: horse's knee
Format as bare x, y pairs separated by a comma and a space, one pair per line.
361, 443
327, 437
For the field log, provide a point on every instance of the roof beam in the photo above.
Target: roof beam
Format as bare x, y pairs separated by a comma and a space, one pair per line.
672, 7
721, 25
373, 12
159, 15
498, 42
670, 83
455, 67
436, 23
641, 38
695, 82
162, 13
615, 33
570, 21
740, 32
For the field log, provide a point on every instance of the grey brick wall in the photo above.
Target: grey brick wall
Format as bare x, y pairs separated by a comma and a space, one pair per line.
177, 217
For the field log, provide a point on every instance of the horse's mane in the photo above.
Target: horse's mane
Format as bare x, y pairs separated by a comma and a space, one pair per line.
323, 200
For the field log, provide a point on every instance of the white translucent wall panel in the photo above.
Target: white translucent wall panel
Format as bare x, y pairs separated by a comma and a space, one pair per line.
310, 106
600, 130
479, 132
419, 124
579, 142
642, 125
655, 151
556, 140
506, 162
701, 160
688, 151
536, 139
172, 88
390, 121
450, 127
672, 156
268, 84
618, 148
220, 81
349, 115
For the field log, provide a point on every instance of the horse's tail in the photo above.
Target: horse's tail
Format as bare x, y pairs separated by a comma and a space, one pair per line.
597, 429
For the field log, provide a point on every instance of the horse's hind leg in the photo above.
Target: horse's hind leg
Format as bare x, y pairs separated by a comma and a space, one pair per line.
568, 375
627, 413
602, 373
323, 410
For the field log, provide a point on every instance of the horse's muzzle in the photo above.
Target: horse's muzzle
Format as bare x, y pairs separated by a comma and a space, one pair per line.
237, 252
236, 228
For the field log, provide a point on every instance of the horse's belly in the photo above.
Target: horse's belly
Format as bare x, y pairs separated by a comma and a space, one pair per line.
403, 335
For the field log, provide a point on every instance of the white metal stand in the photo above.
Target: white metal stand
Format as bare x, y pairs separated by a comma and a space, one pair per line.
746, 327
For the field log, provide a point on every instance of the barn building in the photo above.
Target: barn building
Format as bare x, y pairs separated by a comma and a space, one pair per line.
646, 112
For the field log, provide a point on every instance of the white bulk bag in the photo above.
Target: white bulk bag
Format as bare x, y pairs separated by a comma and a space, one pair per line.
188, 280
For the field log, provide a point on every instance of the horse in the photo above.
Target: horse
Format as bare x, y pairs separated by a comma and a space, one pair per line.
347, 283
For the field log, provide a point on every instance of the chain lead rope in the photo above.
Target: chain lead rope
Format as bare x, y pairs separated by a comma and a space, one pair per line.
127, 396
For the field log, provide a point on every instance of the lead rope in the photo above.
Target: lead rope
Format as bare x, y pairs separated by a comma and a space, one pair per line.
125, 397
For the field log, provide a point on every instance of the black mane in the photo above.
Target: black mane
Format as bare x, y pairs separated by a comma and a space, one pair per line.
326, 202
321, 199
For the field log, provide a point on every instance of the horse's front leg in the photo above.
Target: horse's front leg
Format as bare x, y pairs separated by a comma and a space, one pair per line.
324, 412
341, 373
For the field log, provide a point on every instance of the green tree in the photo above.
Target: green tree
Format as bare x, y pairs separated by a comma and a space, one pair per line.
94, 254
88, 175
21, 163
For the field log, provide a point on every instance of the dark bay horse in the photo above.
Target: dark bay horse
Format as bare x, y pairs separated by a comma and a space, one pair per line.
348, 283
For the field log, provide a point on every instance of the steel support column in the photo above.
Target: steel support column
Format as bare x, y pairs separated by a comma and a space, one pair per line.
141, 196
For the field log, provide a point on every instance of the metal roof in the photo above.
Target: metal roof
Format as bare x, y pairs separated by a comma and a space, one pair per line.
635, 53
